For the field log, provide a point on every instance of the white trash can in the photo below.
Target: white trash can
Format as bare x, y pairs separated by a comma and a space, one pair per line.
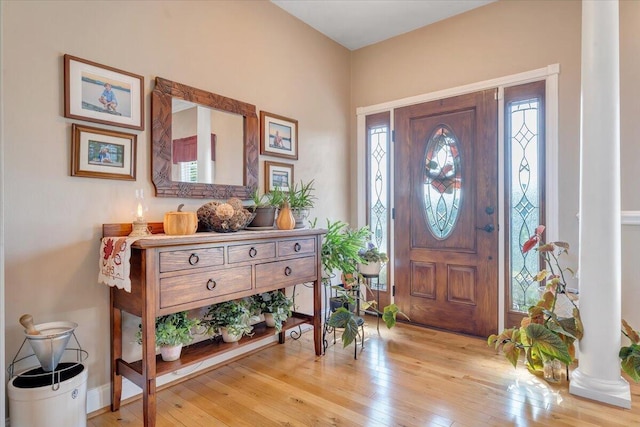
49, 399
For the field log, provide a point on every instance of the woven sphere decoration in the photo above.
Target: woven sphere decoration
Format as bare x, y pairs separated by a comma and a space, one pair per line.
221, 217
235, 203
224, 211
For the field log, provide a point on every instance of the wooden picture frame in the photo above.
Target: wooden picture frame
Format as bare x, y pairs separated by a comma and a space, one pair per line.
278, 136
277, 175
101, 153
102, 94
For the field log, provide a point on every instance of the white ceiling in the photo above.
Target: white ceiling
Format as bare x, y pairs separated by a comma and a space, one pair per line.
358, 23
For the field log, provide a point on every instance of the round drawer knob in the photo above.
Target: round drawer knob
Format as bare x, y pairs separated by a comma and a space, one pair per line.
194, 259
287, 271
253, 252
297, 247
211, 284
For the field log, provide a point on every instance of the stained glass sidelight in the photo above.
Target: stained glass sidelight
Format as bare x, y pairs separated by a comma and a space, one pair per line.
442, 182
523, 160
378, 183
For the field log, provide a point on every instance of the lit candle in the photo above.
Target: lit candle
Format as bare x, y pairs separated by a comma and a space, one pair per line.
140, 212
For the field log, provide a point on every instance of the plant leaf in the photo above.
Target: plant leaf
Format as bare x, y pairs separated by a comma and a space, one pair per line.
343, 318
512, 353
542, 274
548, 343
631, 334
631, 361
389, 315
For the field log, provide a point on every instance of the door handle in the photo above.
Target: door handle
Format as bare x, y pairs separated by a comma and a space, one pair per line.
489, 228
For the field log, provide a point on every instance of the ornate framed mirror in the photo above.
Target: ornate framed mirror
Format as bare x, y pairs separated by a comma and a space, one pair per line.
203, 145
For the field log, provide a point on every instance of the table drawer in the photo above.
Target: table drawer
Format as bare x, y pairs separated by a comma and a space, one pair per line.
286, 273
192, 258
251, 252
296, 246
188, 288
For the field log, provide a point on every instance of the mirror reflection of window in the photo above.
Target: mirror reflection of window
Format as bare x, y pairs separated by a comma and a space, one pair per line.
207, 145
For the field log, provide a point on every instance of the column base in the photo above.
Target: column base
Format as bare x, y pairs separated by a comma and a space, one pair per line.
616, 393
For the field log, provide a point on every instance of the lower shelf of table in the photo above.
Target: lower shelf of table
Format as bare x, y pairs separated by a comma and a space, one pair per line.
197, 352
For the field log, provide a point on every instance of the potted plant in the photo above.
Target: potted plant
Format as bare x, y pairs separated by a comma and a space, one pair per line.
172, 332
372, 260
340, 251
229, 319
301, 200
265, 206
545, 338
276, 306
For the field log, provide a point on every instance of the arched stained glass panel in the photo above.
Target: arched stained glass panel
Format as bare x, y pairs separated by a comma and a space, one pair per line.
442, 182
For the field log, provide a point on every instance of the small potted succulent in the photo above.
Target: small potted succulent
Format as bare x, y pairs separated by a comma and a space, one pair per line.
230, 319
276, 306
371, 260
172, 332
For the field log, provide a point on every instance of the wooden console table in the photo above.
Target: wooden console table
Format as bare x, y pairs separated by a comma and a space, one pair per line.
182, 273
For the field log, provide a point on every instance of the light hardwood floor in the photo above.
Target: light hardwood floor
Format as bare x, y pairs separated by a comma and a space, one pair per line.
407, 376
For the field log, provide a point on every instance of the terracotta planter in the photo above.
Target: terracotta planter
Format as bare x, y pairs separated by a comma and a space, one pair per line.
170, 353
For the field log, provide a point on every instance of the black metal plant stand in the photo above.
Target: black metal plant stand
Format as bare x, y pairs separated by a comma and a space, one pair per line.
328, 329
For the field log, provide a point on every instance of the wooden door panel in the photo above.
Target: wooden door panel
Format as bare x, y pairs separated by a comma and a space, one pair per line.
463, 236
423, 279
448, 279
461, 284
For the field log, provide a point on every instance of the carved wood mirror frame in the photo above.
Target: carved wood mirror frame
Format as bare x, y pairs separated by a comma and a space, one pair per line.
161, 118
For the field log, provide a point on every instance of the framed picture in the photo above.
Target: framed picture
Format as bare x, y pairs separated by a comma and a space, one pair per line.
277, 175
278, 136
101, 153
101, 94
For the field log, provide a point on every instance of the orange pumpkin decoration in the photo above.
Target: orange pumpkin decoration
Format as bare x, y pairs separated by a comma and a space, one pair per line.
180, 223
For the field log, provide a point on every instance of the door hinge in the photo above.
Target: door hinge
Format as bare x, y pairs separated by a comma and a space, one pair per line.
393, 213
393, 135
393, 291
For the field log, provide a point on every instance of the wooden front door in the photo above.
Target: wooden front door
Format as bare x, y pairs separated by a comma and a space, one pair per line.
446, 213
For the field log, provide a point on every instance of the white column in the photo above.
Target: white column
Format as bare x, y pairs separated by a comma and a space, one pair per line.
598, 375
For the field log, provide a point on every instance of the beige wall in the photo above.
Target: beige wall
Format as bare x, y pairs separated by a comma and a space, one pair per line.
248, 50
509, 37
254, 52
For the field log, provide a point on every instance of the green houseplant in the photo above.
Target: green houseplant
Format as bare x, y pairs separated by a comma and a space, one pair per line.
543, 336
172, 332
276, 306
301, 199
341, 248
230, 319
